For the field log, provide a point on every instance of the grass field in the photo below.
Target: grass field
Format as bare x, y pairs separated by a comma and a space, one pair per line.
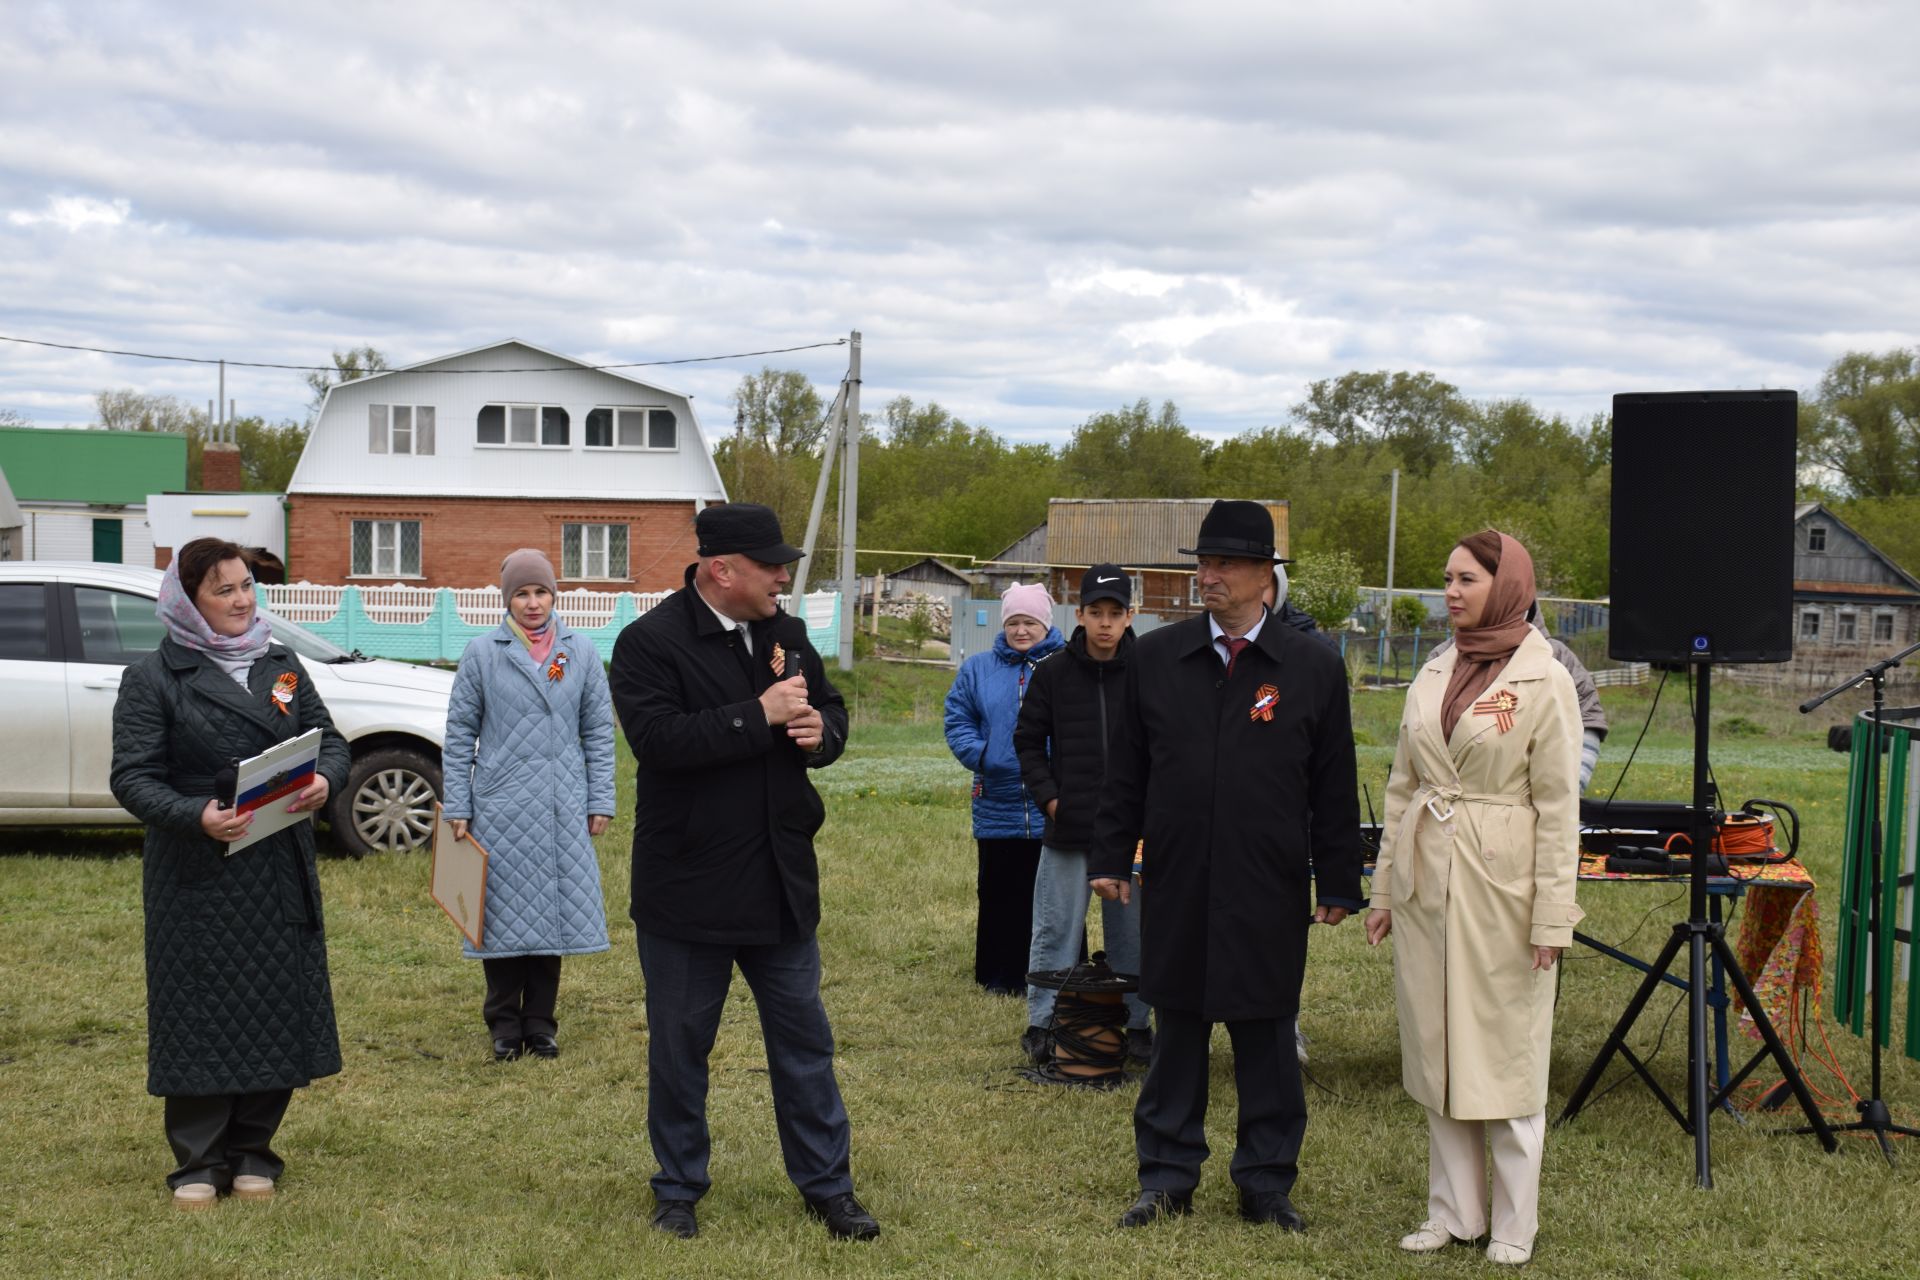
423, 1158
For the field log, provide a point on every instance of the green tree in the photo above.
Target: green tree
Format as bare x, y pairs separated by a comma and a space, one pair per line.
1420, 416
1326, 586
354, 362
125, 409
1863, 428
1135, 453
268, 452
773, 455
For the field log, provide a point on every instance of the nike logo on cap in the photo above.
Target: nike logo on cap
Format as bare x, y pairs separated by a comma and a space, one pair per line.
1103, 580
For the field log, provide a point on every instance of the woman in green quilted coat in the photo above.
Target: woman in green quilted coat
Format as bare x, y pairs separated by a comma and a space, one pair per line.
529, 767
239, 1008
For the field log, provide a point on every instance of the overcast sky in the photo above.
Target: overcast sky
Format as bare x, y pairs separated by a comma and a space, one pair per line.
1033, 211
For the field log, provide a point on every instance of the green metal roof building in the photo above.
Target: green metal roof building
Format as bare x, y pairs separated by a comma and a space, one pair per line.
83, 494
94, 467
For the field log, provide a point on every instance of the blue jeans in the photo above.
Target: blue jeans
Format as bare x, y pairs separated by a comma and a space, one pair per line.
1060, 896
686, 986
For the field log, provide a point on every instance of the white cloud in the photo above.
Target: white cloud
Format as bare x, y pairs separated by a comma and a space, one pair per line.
1032, 212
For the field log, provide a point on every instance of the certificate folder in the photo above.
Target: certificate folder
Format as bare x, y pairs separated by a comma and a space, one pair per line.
267, 783
459, 881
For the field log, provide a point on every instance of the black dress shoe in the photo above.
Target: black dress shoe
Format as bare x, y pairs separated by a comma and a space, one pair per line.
1155, 1205
1036, 1046
675, 1217
1271, 1207
505, 1049
846, 1219
542, 1045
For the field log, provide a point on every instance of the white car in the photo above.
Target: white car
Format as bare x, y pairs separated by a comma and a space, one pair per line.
67, 630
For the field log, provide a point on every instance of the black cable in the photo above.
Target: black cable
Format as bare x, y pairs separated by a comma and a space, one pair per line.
1647, 1061
1645, 725
328, 368
1693, 717
1621, 945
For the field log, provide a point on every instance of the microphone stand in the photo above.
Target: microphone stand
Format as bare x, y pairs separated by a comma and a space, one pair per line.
1875, 1117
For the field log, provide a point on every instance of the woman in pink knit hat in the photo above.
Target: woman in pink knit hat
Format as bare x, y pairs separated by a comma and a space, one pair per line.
982, 708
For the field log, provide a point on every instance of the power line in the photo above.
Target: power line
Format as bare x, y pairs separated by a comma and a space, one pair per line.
328, 368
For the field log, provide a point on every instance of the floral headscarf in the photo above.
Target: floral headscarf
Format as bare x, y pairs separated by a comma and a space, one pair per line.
189, 628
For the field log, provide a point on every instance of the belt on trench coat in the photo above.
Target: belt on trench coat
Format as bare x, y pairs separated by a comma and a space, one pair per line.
1431, 795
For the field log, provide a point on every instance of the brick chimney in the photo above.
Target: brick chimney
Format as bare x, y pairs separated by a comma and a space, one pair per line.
220, 468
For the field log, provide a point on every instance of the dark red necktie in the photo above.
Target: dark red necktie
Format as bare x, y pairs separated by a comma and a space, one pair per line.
1234, 645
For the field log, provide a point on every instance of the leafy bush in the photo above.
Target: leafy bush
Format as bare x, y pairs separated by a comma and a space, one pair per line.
1409, 613
1326, 586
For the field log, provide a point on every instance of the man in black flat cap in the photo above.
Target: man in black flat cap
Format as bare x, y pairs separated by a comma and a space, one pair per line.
1234, 757
727, 705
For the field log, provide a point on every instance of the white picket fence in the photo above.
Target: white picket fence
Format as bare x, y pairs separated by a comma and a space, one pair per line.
477, 606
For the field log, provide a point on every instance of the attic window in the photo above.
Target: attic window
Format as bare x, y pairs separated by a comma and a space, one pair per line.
1816, 539
523, 425
400, 428
624, 427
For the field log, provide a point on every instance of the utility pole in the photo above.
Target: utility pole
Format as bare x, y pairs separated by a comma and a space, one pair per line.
849, 500
739, 446
1393, 529
222, 435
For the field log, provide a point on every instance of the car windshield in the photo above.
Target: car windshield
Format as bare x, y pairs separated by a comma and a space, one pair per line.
303, 641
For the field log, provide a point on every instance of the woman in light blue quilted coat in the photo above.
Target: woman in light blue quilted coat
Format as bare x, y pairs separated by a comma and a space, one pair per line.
529, 768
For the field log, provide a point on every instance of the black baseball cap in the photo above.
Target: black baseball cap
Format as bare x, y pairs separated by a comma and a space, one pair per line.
743, 528
1106, 582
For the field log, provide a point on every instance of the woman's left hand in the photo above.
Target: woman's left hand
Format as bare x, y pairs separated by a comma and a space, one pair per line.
313, 797
1543, 957
597, 824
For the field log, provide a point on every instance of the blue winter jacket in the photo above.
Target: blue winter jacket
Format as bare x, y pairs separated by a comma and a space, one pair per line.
982, 707
527, 759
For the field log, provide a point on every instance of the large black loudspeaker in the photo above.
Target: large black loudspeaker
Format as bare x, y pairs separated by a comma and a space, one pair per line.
1702, 538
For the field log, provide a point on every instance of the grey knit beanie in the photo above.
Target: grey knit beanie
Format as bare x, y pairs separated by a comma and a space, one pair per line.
526, 568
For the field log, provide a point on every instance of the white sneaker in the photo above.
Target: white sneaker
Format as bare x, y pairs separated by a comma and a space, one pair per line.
1429, 1237
194, 1196
251, 1186
1508, 1255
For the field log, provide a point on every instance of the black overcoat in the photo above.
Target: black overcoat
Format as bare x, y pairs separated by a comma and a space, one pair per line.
238, 999
724, 813
1229, 803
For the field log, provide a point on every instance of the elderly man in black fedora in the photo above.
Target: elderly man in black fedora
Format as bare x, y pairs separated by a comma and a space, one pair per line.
1235, 757
727, 705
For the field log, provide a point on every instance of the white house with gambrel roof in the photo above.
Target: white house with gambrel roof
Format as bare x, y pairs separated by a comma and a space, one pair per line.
429, 474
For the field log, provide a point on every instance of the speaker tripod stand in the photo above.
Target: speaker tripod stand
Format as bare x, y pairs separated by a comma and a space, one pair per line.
1875, 1117
1699, 936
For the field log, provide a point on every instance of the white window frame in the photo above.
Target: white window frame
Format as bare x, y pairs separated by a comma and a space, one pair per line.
385, 429
646, 428
1194, 598
539, 408
585, 532
1805, 615
374, 570
1844, 621
1816, 531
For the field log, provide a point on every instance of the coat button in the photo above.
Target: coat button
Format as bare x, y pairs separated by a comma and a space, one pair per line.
738, 722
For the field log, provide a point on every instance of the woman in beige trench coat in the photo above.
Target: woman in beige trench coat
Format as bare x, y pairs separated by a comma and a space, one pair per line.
1475, 882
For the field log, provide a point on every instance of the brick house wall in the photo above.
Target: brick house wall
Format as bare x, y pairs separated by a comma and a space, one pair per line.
462, 540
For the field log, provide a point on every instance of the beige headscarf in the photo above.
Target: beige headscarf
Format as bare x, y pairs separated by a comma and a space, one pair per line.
1483, 651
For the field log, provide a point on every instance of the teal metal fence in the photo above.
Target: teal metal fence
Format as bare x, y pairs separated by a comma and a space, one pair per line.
434, 625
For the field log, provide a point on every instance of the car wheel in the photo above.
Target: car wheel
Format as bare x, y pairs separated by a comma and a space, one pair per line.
387, 804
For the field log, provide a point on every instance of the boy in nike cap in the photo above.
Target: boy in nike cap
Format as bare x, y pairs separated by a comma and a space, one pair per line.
1075, 701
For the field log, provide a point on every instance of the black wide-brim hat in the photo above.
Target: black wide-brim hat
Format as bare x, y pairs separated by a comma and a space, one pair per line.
743, 528
1234, 527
